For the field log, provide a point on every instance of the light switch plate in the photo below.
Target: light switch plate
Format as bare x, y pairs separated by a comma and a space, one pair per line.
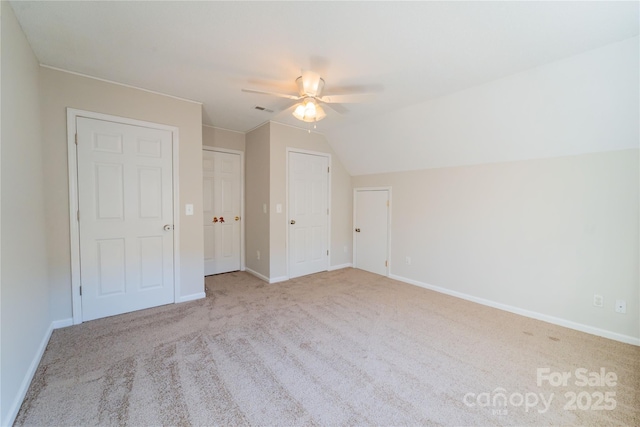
188, 209
278, 208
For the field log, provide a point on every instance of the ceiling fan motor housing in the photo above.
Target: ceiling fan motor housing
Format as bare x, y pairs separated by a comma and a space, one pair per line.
310, 84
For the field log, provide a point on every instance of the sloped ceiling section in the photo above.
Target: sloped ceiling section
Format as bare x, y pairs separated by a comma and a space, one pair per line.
582, 104
409, 53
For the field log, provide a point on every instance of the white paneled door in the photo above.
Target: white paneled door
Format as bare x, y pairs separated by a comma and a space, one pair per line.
221, 199
308, 214
371, 230
125, 199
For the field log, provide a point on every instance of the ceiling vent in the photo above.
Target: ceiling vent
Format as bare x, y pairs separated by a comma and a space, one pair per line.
259, 108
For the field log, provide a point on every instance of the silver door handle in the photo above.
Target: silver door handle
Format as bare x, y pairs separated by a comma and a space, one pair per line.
293, 221
168, 227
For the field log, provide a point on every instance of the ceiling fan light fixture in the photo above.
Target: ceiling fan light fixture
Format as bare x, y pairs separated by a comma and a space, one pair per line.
298, 113
309, 111
320, 114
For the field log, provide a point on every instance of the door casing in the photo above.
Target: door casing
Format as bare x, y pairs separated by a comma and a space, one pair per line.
74, 231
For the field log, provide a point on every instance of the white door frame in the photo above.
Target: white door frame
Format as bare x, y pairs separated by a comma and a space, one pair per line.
72, 115
353, 231
241, 153
287, 217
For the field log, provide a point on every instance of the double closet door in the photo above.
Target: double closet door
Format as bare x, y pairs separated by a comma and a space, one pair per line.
222, 208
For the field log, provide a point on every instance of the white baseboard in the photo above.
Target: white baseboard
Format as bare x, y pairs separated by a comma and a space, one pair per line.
26, 382
192, 297
278, 279
258, 275
63, 323
340, 266
523, 312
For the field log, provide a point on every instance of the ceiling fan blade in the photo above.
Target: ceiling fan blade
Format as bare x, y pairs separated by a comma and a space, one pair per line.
280, 95
338, 108
353, 98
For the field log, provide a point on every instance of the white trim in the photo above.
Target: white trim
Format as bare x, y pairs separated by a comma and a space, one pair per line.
191, 297
283, 124
242, 216
28, 377
256, 274
74, 231
177, 288
265, 278
72, 115
288, 151
218, 127
353, 232
523, 312
62, 70
62, 323
298, 127
340, 266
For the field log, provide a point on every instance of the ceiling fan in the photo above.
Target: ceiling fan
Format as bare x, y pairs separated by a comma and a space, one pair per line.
310, 99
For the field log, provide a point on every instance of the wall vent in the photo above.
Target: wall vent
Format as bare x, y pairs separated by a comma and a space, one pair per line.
259, 108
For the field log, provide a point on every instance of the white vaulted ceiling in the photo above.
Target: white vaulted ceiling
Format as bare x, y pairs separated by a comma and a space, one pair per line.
408, 52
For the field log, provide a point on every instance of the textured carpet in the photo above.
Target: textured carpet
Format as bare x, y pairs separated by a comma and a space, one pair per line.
337, 348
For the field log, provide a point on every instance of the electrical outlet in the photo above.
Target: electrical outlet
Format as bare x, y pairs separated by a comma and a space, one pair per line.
621, 306
264, 208
407, 260
598, 300
257, 254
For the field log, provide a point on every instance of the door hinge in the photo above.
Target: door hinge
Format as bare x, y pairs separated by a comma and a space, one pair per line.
327, 251
328, 169
78, 215
386, 263
76, 139
387, 203
80, 290
327, 211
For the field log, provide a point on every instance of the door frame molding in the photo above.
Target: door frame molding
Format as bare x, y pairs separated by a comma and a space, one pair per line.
242, 216
353, 231
74, 230
286, 219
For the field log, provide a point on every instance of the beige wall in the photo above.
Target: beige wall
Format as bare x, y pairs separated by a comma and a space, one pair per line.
539, 235
61, 90
25, 319
266, 183
223, 138
283, 137
257, 194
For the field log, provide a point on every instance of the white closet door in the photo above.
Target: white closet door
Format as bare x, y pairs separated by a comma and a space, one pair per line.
221, 186
308, 214
371, 230
125, 195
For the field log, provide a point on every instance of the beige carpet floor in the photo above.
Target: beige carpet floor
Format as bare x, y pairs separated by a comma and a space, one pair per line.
337, 348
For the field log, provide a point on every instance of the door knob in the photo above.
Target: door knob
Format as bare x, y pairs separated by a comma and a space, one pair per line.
237, 218
168, 227
215, 219
293, 221
357, 230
